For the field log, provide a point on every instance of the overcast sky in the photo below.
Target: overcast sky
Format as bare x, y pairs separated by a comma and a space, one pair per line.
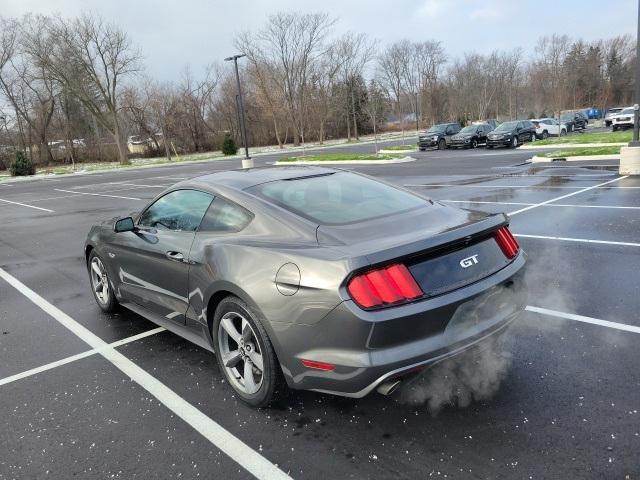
172, 34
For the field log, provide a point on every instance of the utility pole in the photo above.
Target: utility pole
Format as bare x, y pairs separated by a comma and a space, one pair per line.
630, 156
636, 90
247, 162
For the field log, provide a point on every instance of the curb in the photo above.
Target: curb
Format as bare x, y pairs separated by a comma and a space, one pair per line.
396, 151
572, 145
537, 159
350, 162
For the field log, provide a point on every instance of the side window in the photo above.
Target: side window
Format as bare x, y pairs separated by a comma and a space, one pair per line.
224, 216
181, 210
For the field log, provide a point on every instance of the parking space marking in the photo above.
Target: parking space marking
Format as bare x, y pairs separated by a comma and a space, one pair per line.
224, 440
79, 356
531, 187
579, 240
143, 186
28, 206
582, 318
569, 205
96, 194
586, 189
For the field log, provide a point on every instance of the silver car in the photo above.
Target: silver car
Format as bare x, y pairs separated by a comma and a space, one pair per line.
310, 277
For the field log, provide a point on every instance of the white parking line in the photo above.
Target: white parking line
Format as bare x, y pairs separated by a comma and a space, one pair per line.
570, 205
79, 356
579, 240
582, 318
531, 207
235, 448
96, 194
531, 187
143, 186
28, 206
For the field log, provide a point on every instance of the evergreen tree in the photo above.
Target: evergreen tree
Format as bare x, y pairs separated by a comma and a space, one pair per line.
22, 165
229, 146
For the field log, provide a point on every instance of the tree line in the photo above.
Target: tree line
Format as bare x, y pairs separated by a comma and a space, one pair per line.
78, 86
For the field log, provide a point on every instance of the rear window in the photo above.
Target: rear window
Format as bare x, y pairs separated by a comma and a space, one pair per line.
337, 198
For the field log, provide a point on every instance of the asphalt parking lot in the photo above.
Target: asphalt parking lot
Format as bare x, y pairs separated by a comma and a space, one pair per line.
155, 406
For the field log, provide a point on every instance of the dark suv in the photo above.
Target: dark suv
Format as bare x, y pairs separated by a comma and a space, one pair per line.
574, 120
511, 134
438, 136
471, 136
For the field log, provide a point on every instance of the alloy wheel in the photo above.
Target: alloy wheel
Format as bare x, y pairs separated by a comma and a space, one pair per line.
99, 281
240, 352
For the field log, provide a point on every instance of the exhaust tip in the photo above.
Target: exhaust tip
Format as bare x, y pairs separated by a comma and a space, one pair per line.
387, 388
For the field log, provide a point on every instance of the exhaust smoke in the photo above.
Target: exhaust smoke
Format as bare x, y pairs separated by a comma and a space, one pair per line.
470, 376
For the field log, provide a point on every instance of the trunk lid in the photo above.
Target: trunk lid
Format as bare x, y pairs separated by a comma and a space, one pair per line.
444, 247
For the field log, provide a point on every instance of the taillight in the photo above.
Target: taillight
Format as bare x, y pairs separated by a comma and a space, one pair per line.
384, 286
507, 242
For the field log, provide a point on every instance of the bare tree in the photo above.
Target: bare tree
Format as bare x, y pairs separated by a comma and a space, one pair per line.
289, 44
26, 84
91, 59
391, 65
356, 51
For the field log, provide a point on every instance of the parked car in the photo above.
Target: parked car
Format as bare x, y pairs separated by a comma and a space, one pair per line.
608, 118
594, 114
471, 136
438, 136
511, 134
284, 272
546, 127
623, 120
574, 120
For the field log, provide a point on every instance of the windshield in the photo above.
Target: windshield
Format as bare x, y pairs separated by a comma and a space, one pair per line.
627, 111
437, 128
469, 129
506, 126
337, 198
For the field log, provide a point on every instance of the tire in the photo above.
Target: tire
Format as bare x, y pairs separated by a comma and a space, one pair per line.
545, 135
614, 128
253, 344
101, 286
532, 137
474, 143
442, 144
489, 147
422, 149
563, 132
514, 142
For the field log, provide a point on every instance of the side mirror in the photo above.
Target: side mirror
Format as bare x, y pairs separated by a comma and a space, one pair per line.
124, 225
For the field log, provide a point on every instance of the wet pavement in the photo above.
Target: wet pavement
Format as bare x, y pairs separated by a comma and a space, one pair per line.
568, 407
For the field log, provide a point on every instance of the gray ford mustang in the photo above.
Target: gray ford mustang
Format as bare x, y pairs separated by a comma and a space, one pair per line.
311, 278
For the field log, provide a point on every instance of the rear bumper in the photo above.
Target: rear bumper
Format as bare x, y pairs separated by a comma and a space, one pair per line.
440, 327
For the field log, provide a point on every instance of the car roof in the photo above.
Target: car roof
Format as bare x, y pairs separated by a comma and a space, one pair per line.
244, 178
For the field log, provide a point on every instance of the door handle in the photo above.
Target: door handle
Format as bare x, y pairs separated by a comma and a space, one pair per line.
176, 256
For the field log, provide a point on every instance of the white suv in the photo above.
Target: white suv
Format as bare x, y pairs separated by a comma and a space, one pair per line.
622, 120
546, 127
612, 112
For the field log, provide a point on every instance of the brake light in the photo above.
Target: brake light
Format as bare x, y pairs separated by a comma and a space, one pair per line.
508, 243
384, 286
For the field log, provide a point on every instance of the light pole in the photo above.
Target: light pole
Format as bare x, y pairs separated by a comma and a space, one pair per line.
247, 162
630, 156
